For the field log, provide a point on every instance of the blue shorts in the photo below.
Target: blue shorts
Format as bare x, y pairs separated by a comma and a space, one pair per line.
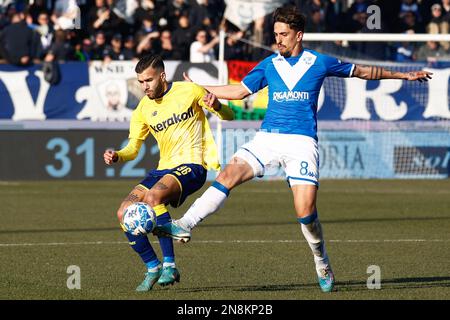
191, 177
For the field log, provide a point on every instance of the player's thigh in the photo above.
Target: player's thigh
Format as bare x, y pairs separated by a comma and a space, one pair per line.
300, 160
136, 195
301, 164
166, 190
305, 196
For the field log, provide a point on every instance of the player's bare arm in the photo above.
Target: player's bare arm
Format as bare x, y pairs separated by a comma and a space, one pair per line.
229, 92
379, 73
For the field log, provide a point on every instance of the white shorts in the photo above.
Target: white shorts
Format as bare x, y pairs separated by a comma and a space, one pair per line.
297, 154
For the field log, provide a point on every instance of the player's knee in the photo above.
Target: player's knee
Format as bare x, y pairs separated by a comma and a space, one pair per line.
232, 176
120, 213
152, 198
305, 209
121, 210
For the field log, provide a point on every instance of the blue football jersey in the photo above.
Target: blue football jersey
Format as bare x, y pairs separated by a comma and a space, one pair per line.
294, 86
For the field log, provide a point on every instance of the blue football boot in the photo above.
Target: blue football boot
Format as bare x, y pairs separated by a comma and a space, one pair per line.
173, 230
150, 279
169, 275
326, 279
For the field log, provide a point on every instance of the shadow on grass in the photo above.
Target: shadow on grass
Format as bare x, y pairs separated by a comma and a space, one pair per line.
340, 286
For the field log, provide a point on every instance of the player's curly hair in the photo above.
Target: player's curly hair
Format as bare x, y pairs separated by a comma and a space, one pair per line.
291, 16
151, 60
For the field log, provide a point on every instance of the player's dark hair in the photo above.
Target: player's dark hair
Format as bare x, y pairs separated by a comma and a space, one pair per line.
151, 60
291, 16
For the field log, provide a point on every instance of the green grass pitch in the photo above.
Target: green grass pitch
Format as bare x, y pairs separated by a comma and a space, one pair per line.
251, 249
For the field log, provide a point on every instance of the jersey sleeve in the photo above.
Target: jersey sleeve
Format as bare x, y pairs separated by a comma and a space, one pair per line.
337, 68
130, 151
138, 127
255, 80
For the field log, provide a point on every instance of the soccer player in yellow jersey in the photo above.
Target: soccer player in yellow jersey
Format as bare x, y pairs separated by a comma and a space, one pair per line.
173, 114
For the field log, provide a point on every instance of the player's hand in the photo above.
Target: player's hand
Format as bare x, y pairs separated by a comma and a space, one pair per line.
110, 156
186, 77
211, 101
421, 76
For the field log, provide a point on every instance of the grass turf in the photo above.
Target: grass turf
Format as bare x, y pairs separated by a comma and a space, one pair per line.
251, 249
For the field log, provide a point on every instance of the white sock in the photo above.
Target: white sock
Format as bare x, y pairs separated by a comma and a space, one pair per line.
169, 264
210, 201
154, 269
313, 234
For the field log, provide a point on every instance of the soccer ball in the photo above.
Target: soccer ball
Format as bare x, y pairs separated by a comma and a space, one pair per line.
139, 218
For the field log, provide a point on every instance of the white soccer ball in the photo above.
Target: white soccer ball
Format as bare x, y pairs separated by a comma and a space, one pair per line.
139, 218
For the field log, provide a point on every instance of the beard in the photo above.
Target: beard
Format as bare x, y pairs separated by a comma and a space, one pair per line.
286, 54
157, 92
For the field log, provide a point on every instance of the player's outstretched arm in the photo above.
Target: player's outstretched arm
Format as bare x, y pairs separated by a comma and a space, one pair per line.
379, 73
229, 92
129, 152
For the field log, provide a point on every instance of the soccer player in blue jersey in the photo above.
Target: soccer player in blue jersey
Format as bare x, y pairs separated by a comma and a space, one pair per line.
288, 135
173, 114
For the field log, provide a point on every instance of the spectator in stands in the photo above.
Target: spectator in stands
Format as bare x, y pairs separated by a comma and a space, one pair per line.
153, 8
446, 10
61, 49
356, 16
99, 46
82, 50
203, 14
430, 52
38, 7
409, 22
148, 26
17, 41
66, 14
234, 49
176, 9
316, 22
103, 18
164, 46
182, 38
438, 24
404, 51
202, 50
410, 6
45, 32
129, 47
94, 14
146, 43
115, 50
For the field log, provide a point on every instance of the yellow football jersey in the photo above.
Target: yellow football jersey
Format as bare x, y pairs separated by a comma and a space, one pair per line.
179, 125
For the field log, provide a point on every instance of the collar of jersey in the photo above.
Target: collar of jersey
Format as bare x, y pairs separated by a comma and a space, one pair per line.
168, 88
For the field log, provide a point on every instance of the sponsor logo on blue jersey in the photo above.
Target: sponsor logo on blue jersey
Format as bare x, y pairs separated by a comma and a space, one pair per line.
282, 96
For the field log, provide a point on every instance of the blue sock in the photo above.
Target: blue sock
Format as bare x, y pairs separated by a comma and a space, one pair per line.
308, 219
142, 246
166, 243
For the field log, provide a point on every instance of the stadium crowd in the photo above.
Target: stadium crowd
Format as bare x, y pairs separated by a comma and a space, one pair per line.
84, 30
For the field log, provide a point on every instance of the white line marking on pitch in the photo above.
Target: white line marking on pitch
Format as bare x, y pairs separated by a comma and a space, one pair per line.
219, 241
